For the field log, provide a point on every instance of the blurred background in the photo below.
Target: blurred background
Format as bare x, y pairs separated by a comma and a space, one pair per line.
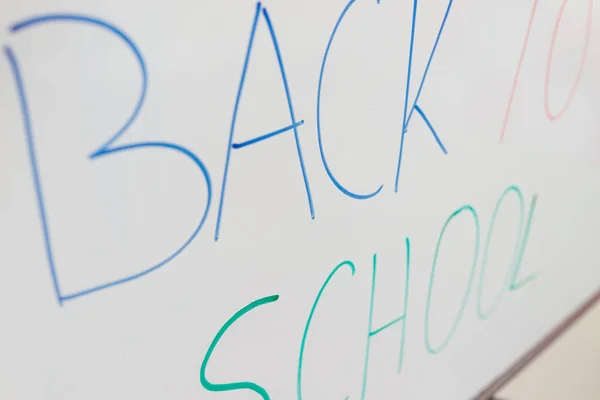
569, 369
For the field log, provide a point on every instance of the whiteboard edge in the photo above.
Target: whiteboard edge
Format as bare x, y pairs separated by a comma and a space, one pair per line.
503, 379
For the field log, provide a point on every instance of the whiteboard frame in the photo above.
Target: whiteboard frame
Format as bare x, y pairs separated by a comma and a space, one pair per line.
517, 366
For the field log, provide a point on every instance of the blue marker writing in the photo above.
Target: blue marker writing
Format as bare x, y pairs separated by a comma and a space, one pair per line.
337, 184
409, 113
292, 127
106, 149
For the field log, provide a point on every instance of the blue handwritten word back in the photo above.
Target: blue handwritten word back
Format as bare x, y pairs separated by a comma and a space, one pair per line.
109, 148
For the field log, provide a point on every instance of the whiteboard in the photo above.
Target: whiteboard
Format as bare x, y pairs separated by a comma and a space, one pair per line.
292, 199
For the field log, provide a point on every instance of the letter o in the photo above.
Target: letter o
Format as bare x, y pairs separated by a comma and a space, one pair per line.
588, 29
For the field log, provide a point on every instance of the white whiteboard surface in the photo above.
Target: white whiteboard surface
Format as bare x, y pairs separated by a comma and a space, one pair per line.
168, 167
